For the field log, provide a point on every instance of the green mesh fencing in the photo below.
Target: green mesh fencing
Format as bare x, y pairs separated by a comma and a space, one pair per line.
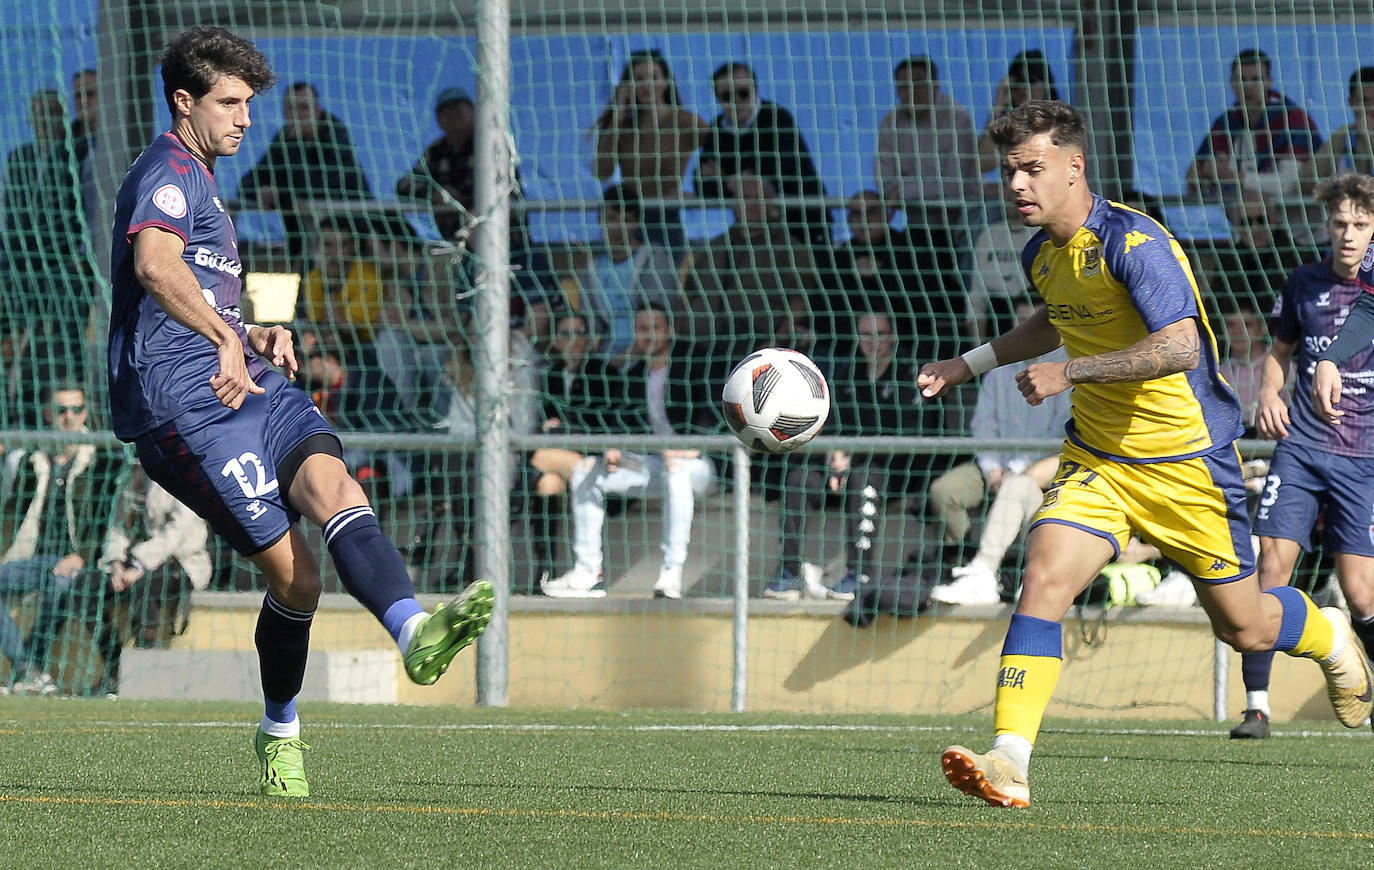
809, 175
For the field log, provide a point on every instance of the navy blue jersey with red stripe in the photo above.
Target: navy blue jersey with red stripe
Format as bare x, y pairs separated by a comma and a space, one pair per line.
160, 369
1309, 312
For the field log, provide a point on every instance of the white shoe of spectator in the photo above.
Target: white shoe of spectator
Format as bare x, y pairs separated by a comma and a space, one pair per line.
669, 583
973, 584
36, 683
575, 584
1175, 590
813, 585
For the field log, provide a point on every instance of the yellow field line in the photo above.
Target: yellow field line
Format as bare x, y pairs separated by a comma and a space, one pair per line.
620, 816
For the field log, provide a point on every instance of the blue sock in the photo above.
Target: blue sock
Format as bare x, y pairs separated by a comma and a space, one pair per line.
1255, 669
370, 568
283, 641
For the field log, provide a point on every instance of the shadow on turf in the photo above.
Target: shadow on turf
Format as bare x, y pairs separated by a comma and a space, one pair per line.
842, 647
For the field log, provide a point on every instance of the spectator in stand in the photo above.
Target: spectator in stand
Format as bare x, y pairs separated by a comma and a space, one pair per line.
581, 395
1251, 270
625, 273
54, 515
646, 134
1350, 148
443, 175
956, 494
412, 331
153, 556
1244, 339
874, 387
760, 137
1258, 144
669, 377
24, 170
914, 272
748, 273
341, 298
1014, 480
310, 158
457, 473
927, 157
998, 278
1028, 77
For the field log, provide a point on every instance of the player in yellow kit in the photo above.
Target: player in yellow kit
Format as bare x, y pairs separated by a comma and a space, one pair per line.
1149, 448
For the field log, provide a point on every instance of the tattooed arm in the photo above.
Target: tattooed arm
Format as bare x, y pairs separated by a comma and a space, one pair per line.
1166, 351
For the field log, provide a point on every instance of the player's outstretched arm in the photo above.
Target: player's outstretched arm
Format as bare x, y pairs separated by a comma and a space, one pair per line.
1031, 338
1166, 351
161, 271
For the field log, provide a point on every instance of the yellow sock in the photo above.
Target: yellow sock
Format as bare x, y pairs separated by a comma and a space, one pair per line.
1024, 687
1305, 631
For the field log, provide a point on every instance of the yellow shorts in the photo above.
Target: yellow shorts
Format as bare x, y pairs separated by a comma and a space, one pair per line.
1193, 510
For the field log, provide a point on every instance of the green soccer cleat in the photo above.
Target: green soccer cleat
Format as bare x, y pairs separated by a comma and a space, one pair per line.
452, 626
281, 766
990, 777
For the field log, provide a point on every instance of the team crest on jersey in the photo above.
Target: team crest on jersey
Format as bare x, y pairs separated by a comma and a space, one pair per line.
1044, 270
1368, 262
1092, 261
170, 200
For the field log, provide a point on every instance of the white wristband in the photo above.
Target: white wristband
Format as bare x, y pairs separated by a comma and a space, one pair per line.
248, 327
981, 359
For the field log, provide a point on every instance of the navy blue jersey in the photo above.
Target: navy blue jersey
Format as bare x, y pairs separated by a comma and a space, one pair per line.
160, 369
1309, 312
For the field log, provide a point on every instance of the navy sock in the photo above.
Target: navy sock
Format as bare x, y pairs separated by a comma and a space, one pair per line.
283, 640
370, 568
1255, 669
1364, 630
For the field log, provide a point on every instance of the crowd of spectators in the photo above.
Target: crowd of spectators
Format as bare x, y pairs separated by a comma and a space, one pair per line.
627, 335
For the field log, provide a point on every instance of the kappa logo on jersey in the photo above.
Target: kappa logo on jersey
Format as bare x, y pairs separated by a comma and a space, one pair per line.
170, 200
1092, 261
1136, 237
219, 205
1324, 299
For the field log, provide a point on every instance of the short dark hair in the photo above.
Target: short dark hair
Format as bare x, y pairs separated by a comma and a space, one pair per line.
729, 68
918, 61
1055, 117
1354, 186
1249, 56
1361, 77
199, 56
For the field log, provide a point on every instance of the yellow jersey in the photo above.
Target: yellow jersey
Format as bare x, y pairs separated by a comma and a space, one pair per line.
1121, 277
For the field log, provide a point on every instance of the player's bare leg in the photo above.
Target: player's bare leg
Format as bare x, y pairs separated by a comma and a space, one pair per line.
1278, 556
1061, 561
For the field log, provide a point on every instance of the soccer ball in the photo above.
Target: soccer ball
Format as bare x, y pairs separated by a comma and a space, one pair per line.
776, 400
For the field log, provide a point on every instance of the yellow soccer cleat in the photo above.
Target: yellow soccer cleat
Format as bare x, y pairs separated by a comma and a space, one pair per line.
1349, 684
989, 777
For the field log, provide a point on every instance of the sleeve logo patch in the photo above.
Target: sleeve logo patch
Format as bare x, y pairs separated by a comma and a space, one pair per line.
170, 200
1368, 262
1136, 237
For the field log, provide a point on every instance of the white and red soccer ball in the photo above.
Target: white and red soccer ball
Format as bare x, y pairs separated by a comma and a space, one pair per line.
776, 400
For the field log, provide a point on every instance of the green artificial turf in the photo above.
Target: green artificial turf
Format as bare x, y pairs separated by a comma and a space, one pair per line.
96, 783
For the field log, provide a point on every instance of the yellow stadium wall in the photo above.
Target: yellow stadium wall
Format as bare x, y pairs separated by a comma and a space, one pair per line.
643, 654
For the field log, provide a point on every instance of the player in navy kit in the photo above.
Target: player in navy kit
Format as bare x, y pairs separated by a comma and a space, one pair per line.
224, 432
1317, 465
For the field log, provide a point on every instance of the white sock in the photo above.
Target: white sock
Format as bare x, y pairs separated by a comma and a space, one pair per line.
281, 729
1015, 749
1258, 700
408, 631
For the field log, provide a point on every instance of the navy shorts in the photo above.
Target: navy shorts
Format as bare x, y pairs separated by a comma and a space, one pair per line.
1304, 480
223, 463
